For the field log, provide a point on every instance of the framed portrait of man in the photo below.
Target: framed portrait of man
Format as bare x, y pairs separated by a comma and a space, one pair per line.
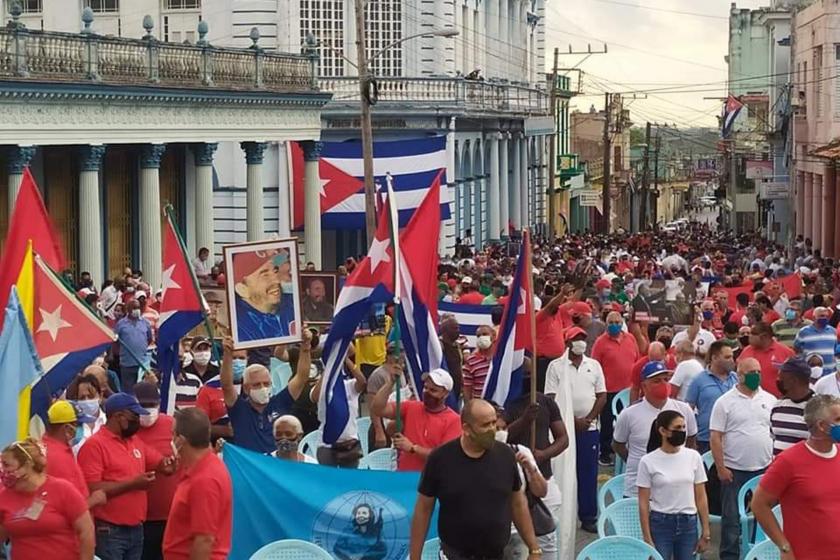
217, 314
263, 293
319, 291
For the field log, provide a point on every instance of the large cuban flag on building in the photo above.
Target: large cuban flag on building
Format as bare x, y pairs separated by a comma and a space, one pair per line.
413, 164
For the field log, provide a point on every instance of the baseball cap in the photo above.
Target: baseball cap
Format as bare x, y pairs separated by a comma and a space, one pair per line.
199, 341
466, 280
440, 377
652, 369
797, 366
124, 401
581, 308
140, 294
65, 412
572, 332
147, 393
245, 264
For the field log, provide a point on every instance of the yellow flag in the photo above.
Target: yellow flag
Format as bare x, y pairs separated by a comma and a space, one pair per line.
26, 292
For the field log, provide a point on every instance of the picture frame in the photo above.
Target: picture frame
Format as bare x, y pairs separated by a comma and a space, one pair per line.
217, 314
318, 308
263, 292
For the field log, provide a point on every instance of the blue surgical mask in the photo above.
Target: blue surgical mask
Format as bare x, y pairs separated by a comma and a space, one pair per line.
614, 329
239, 365
89, 407
821, 323
835, 433
708, 315
790, 314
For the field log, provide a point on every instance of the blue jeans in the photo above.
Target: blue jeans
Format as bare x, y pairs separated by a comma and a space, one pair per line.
118, 542
730, 533
674, 534
586, 447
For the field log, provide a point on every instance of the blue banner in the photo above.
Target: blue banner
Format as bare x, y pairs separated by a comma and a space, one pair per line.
352, 514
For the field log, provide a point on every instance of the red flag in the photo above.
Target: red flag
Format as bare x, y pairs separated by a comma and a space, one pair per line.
732, 293
792, 286
29, 221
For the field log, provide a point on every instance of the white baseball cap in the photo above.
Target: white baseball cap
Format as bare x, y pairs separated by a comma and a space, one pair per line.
440, 377
466, 280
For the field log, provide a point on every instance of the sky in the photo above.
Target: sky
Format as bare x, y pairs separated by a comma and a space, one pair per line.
649, 48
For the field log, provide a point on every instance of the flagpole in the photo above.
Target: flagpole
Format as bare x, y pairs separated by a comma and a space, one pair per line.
393, 217
529, 277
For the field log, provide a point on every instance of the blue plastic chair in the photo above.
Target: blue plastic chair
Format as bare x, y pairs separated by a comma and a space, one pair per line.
363, 426
309, 444
380, 460
431, 550
745, 515
709, 462
621, 518
621, 398
618, 548
291, 549
760, 535
611, 491
765, 550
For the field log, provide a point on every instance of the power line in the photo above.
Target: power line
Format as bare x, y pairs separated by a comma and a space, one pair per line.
666, 10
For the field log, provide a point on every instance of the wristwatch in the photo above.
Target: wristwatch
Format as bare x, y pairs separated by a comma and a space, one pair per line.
784, 549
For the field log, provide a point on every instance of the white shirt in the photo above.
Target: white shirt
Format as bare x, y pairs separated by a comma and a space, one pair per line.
702, 340
202, 268
673, 288
828, 385
633, 428
745, 424
586, 381
671, 478
683, 375
351, 431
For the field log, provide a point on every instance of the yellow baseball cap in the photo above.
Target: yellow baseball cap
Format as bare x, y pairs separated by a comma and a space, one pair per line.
65, 412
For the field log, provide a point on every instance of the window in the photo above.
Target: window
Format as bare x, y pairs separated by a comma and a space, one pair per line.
182, 4
32, 6
818, 79
384, 27
325, 20
103, 6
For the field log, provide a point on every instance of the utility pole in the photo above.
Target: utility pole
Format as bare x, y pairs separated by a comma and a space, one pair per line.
552, 150
655, 208
366, 126
605, 192
643, 203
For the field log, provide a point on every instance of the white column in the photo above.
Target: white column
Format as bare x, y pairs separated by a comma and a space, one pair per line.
467, 202
254, 196
204, 222
493, 227
90, 211
150, 213
516, 200
18, 158
504, 186
312, 202
446, 238
529, 198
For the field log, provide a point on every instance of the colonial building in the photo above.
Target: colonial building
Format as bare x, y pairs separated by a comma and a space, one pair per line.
116, 128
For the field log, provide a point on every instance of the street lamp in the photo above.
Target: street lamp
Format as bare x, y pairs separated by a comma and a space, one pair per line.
365, 84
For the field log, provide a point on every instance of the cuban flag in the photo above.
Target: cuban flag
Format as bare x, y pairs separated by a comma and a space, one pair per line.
182, 307
469, 318
731, 109
413, 164
372, 281
504, 380
67, 334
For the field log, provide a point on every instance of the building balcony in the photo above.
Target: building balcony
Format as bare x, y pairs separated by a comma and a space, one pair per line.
55, 57
436, 96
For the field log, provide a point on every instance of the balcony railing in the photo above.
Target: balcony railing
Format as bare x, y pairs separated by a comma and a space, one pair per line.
445, 92
87, 57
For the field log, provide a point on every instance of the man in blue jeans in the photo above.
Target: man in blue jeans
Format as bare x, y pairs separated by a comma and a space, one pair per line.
741, 446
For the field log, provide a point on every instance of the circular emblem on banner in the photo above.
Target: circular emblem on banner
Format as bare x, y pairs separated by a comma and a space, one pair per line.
363, 525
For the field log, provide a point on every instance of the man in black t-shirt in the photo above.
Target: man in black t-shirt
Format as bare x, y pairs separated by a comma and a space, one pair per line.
519, 415
476, 480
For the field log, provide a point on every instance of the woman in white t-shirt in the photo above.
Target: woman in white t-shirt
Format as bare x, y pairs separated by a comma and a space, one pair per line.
671, 481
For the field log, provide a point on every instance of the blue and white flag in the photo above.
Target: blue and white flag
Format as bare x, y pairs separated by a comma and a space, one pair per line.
350, 513
413, 165
469, 318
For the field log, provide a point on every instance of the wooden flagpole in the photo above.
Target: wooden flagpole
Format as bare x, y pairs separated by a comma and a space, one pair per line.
393, 230
529, 278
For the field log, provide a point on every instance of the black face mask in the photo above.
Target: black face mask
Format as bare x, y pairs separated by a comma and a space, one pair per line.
744, 340
666, 341
131, 428
677, 438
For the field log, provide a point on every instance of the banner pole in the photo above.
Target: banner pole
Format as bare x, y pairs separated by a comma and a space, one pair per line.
529, 277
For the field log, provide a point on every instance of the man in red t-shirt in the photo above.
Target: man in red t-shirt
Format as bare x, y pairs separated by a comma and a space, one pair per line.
426, 425
201, 518
469, 292
64, 418
805, 480
551, 343
769, 353
156, 433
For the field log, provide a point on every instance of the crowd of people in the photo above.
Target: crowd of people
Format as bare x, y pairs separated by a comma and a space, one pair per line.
713, 342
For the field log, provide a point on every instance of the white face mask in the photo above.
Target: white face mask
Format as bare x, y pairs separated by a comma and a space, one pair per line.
578, 347
151, 418
261, 395
202, 358
483, 342
816, 372
501, 436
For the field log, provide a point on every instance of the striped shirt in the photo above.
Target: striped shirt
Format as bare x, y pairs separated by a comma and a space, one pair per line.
786, 332
787, 423
186, 390
811, 339
476, 367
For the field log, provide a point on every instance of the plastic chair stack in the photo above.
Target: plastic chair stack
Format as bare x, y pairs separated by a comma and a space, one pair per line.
309, 444
611, 491
618, 548
291, 549
363, 426
766, 550
745, 515
619, 403
380, 460
760, 535
709, 462
621, 518
431, 550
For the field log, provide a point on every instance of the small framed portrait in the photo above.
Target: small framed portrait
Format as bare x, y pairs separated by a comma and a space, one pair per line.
318, 293
217, 313
263, 293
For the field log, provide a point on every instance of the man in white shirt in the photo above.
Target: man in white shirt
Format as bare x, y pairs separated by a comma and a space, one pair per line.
688, 367
581, 379
632, 428
201, 265
741, 446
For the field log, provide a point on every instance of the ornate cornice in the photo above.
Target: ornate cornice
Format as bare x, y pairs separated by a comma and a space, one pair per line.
253, 152
18, 158
204, 152
150, 155
91, 157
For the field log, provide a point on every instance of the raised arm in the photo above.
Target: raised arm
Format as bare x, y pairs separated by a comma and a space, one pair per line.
301, 377
226, 373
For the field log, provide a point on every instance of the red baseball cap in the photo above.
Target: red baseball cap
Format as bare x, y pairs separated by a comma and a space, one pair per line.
602, 283
572, 332
581, 308
245, 264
